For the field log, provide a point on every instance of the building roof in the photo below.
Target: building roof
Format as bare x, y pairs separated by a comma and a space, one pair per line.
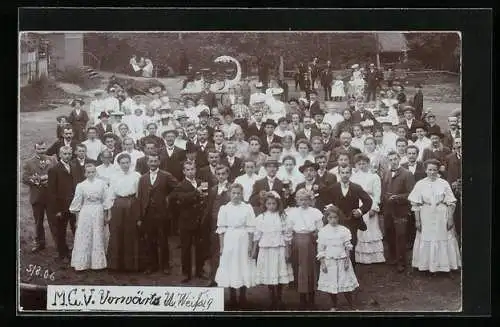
392, 42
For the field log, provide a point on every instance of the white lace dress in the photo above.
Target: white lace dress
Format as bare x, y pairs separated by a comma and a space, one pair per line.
236, 267
333, 245
272, 235
89, 203
435, 248
338, 89
370, 247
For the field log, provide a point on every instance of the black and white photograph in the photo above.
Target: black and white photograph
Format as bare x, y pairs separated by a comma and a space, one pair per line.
264, 171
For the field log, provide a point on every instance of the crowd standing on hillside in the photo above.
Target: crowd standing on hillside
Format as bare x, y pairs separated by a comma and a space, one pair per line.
293, 194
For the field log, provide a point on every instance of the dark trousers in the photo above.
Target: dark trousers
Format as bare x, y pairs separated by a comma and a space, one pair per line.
371, 93
352, 224
190, 239
214, 254
156, 229
62, 226
328, 92
396, 236
411, 229
39, 212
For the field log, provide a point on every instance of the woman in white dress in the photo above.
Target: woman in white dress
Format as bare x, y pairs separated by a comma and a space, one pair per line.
235, 227
334, 247
242, 146
248, 179
91, 203
370, 248
272, 239
303, 153
378, 162
436, 247
338, 92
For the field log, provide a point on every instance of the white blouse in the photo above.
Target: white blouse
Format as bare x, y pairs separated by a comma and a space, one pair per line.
304, 220
271, 230
371, 184
124, 184
334, 242
232, 216
295, 178
91, 193
106, 173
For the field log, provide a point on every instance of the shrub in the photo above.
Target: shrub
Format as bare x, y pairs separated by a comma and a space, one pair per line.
72, 75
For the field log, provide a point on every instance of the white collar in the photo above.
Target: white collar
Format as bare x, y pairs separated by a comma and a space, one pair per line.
192, 181
154, 172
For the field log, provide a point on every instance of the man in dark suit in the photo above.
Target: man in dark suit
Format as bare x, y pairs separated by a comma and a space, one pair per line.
308, 132
410, 122
373, 80
346, 196
417, 169
269, 137
154, 188
61, 189
418, 101
313, 107
218, 196
152, 129
35, 175
397, 184
452, 133
191, 198
203, 144
111, 145
203, 123
329, 141
327, 79
313, 184
453, 165
209, 173
361, 114
172, 156
208, 96
141, 165
79, 161
257, 127
345, 139
268, 183
234, 163
103, 126
437, 150
67, 140
326, 178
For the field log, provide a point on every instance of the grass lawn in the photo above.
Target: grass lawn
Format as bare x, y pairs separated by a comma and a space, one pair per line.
383, 289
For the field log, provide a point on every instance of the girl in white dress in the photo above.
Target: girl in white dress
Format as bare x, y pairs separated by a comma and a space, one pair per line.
338, 92
273, 241
91, 204
436, 247
336, 271
235, 226
370, 248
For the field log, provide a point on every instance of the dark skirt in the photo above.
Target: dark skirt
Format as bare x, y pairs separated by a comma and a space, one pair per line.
123, 248
304, 262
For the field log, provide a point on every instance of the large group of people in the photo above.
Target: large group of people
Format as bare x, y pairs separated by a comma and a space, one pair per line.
265, 192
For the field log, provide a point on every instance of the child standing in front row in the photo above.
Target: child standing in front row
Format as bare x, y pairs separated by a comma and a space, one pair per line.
235, 227
334, 245
274, 245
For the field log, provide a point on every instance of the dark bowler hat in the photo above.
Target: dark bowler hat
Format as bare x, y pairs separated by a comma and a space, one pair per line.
438, 134
191, 147
204, 113
103, 114
75, 100
270, 121
420, 125
307, 164
271, 162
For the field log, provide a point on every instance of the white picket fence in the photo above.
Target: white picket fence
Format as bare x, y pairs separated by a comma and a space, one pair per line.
32, 68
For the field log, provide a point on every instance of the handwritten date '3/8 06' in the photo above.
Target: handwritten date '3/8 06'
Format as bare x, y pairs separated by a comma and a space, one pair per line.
40, 272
